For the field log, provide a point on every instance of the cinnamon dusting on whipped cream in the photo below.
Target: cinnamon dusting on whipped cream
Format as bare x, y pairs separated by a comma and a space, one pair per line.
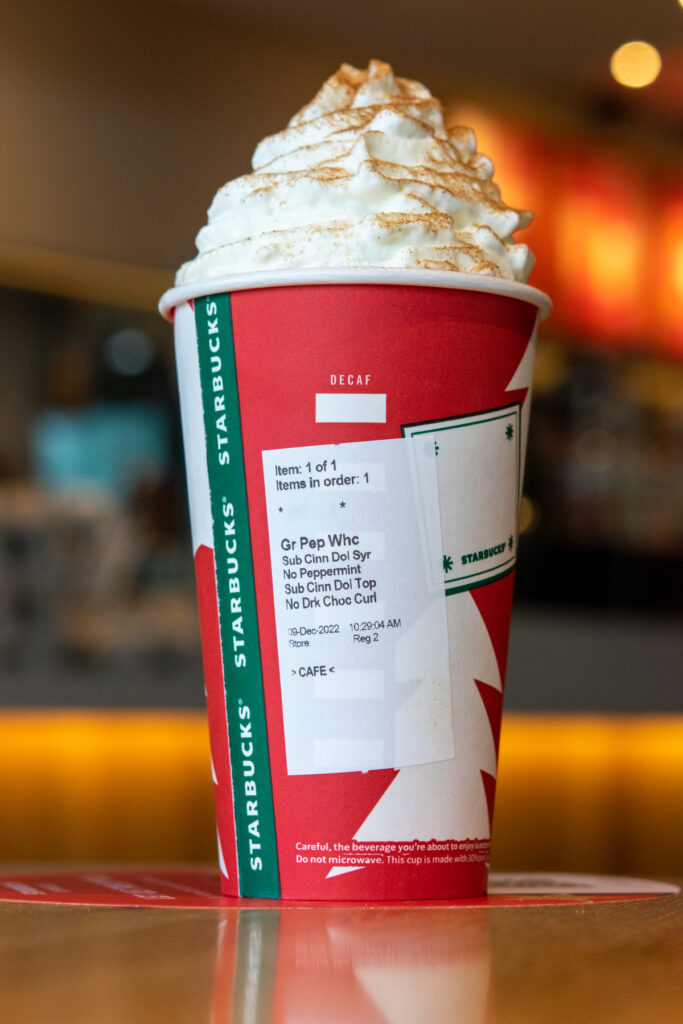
365, 175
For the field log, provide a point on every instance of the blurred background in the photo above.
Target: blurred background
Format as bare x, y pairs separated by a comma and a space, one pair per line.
119, 121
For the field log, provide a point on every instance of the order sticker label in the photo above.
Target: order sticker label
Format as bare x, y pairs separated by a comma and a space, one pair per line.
355, 544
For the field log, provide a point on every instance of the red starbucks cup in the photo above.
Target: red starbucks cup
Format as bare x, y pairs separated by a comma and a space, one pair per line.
354, 445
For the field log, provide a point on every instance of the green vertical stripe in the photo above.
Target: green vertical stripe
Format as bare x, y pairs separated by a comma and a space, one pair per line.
253, 796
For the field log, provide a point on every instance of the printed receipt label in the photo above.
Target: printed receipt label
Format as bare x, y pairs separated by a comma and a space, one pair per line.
360, 607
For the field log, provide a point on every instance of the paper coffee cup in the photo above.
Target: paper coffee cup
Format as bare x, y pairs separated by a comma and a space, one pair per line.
354, 446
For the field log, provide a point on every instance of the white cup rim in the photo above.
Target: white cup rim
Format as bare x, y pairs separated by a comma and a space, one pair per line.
353, 275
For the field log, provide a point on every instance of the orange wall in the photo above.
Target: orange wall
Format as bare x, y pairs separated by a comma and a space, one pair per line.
596, 794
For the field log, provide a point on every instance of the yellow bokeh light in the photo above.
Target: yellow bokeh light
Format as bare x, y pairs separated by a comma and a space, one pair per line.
635, 64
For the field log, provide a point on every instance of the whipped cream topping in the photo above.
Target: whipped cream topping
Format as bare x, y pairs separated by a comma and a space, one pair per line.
365, 175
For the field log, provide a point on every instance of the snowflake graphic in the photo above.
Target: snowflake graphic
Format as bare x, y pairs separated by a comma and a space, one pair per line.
447, 563
509, 431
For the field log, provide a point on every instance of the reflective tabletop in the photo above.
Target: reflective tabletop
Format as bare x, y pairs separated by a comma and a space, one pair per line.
570, 960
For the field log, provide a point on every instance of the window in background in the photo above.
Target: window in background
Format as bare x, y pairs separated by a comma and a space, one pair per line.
97, 597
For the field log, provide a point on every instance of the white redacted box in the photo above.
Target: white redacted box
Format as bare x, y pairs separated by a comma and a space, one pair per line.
354, 446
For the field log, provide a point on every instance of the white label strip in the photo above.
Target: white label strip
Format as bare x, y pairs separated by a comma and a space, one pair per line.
350, 408
351, 685
332, 755
355, 546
